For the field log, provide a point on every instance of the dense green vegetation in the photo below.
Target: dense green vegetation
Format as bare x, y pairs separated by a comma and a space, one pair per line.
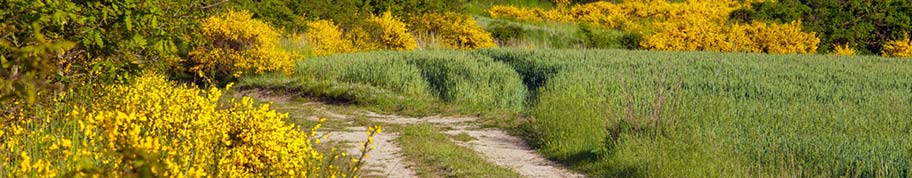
659, 114
403, 81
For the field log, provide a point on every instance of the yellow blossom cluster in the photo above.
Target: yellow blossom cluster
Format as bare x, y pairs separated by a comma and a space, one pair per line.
611, 14
156, 128
325, 38
391, 32
379, 32
679, 26
455, 31
240, 44
844, 50
898, 48
758, 37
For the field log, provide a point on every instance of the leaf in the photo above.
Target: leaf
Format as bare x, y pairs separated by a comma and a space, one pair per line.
3, 62
98, 41
129, 22
138, 40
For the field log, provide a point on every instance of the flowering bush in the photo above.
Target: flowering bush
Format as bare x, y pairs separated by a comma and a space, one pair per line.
757, 37
898, 48
687, 35
390, 32
155, 128
773, 38
239, 44
456, 31
326, 38
683, 26
530, 14
844, 50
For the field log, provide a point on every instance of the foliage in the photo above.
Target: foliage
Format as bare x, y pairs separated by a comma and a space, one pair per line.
506, 31
898, 48
350, 14
456, 31
390, 32
414, 8
154, 127
62, 42
869, 24
280, 13
593, 37
239, 44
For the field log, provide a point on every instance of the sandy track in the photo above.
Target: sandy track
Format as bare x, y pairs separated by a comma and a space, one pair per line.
387, 161
506, 150
384, 161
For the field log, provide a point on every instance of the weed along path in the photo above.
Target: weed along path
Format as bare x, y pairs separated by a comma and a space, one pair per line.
346, 128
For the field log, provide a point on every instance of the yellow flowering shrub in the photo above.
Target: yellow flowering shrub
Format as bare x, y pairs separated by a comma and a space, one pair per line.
525, 14
844, 50
326, 38
455, 31
687, 35
391, 32
156, 128
362, 40
898, 48
562, 2
678, 26
758, 37
239, 44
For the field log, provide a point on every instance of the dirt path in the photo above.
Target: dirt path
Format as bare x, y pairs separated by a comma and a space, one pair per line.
387, 161
506, 150
496, 145
384, 161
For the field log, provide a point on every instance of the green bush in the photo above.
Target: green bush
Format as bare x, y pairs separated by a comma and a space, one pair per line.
277, 12
867, 24
347, 14
472, 82
67, 42
505, 31
593, 37
477, 82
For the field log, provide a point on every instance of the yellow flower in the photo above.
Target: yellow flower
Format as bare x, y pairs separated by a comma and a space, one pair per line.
901, 48
844, 50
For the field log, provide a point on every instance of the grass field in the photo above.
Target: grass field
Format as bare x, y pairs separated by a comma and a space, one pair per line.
617, 113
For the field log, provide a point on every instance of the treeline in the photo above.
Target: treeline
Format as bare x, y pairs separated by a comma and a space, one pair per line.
865, 24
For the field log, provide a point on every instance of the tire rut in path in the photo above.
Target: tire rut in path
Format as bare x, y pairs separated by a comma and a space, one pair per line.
495, 145
385, 160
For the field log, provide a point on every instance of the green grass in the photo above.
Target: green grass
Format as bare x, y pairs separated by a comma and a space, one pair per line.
617, 113
416, 82
439, 157
733, 114
555, 35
